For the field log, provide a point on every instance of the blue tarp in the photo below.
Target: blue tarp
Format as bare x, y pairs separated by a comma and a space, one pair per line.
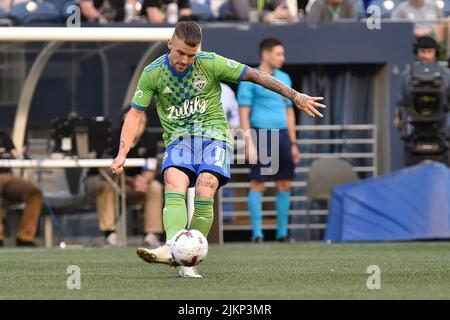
409, 204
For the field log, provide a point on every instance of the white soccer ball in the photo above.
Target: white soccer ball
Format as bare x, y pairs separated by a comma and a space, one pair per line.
189, 247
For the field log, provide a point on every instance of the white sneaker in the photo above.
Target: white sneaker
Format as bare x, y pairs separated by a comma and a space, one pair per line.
151, 240
189, 272
112, 240
159, 255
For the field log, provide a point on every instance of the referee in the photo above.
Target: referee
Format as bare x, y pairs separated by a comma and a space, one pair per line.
260, 108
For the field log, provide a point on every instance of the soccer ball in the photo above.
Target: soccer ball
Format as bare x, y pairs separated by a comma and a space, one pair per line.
189, 247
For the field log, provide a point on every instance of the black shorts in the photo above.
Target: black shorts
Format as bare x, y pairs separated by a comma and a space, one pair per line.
264, 170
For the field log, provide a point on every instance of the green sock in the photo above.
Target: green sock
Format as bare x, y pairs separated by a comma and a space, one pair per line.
174, 213
202, 218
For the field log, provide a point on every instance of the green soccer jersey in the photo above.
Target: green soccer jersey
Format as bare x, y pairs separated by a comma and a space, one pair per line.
189, 104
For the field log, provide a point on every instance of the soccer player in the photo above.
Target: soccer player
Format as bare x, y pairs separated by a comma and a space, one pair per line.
196, 134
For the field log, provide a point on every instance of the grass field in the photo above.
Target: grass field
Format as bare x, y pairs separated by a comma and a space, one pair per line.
417, 270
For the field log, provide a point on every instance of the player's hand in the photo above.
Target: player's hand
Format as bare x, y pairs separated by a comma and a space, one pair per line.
309, 104
398, 123
117, 165
295, 154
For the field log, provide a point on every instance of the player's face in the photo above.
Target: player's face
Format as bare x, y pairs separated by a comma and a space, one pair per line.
181, 54
274, 57
426, 55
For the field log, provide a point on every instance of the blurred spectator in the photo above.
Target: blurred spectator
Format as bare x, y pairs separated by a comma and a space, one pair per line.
141, 188
301, 4
208, 10
163, 11
6, 5
17, 190
262, 10
417, 11
105, 11
331, 10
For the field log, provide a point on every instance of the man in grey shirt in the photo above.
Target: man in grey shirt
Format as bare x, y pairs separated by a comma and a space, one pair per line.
331, 10
416, 11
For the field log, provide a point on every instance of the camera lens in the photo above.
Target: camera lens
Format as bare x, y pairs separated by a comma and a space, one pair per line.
426, 104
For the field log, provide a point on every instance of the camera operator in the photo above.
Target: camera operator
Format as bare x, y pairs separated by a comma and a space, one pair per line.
427, 52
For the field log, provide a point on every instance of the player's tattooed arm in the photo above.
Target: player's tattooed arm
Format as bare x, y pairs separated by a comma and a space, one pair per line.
302, 101
127, 136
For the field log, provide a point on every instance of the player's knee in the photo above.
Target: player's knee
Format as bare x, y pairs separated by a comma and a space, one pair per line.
284, 185
175, 179
257, 186
206, 185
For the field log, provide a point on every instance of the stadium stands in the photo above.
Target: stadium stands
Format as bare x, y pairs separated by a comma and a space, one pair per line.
35, 12
54, 11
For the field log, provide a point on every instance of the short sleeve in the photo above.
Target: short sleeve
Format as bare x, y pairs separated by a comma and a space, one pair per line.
144, 92
228, 70
245, 93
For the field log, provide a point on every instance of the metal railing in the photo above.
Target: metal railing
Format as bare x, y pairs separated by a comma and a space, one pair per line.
360, 151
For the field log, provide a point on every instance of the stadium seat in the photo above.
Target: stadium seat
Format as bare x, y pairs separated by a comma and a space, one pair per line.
32, 12
324, 175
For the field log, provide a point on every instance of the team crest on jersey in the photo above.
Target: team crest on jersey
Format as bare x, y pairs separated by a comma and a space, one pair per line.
200, 81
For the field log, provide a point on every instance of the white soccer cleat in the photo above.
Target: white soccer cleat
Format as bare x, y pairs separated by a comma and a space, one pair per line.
159, 255
189, 272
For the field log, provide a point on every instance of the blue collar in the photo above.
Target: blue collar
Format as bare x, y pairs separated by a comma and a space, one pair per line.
172, 70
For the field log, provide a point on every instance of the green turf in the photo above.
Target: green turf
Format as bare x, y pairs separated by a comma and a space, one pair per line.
235, 271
